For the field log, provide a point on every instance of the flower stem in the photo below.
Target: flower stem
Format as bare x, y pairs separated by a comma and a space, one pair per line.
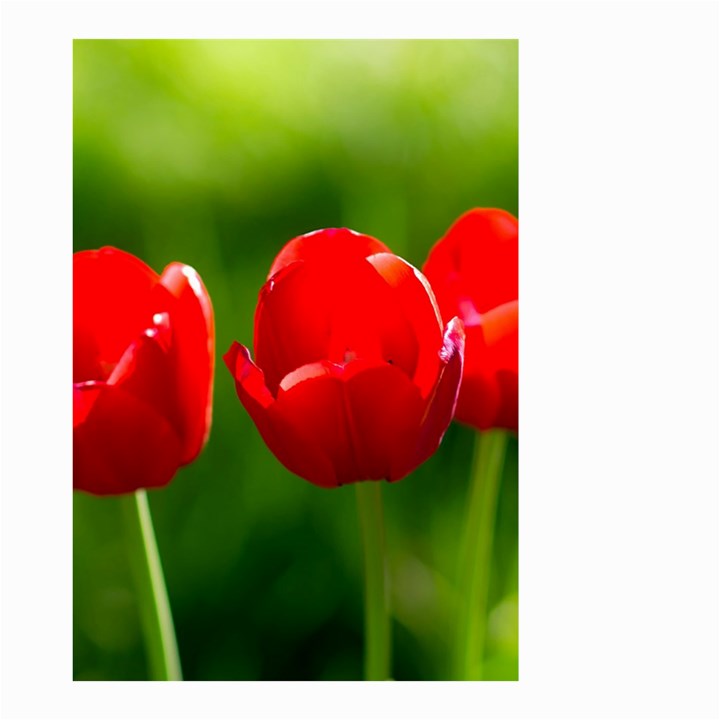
377, 620
160, 643
476, 554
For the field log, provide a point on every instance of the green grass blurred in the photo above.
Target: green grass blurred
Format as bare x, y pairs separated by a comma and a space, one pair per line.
216, 153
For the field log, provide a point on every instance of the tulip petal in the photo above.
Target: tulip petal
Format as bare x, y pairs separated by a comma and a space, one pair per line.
317, 409
285, 438
441, 405
335, 314
414, 296
120, 443
337, 243
297, 301
500, 332
333, 424
147, 371
473, 268
385, 411
362, 414
143, 382
488, 396
84, 397
124, 435
111, 306
479, 399
193, 340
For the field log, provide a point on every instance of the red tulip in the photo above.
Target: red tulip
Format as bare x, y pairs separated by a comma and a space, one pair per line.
354, 377
143, 361
473, 271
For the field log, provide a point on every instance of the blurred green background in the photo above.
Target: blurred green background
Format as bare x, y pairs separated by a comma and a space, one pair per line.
216, 153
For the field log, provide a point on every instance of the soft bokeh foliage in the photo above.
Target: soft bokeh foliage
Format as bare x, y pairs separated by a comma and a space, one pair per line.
216, 153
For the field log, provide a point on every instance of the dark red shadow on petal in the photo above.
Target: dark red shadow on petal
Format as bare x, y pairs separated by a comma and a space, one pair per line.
121, 443
314, 405
489, 394
507, 416
385, 411
411, 293
285, 435
441, 405
147, 371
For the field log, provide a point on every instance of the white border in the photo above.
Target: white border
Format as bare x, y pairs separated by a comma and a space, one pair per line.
619, 356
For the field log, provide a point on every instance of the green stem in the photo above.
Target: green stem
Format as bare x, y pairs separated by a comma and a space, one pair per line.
160, 643
377, 620
476, 554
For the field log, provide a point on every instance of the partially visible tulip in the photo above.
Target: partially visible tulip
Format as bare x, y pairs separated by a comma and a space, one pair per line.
143, 363
355, 379
473, 271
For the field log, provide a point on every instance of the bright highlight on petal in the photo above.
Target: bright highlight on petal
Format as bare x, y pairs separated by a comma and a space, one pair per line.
332, 245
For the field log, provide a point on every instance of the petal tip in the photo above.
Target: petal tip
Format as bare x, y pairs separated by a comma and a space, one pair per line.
230, 358
453, 340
